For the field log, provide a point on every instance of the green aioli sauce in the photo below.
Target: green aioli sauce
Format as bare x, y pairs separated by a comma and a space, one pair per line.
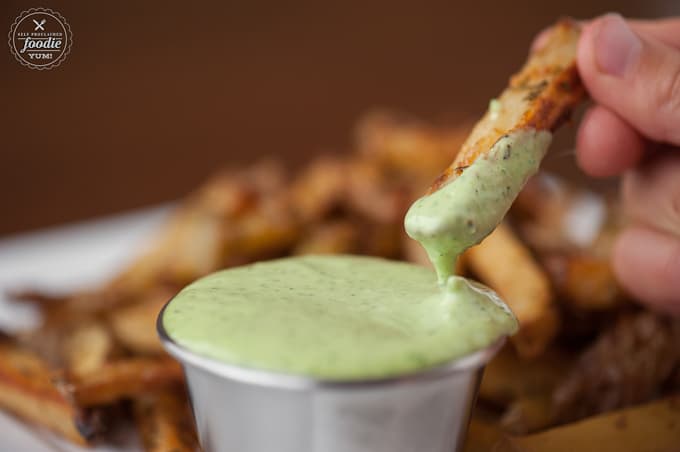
335, 317
463, 212
350, 317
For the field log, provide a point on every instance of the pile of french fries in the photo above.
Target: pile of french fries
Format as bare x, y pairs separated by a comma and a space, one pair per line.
588, 363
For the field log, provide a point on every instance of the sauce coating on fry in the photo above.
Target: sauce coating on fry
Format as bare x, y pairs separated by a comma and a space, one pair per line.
461, 213
335, 317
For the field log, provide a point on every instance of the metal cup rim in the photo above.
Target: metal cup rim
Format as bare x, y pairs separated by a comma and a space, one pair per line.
268, 378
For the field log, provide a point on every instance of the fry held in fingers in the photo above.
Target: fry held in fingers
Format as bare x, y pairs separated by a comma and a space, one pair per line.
540, 97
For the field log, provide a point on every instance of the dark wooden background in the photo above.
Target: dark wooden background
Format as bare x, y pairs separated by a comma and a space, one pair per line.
156, 95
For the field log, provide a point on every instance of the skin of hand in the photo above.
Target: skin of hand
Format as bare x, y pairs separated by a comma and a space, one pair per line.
632, 72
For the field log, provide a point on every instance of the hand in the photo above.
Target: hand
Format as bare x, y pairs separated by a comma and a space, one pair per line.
632, 71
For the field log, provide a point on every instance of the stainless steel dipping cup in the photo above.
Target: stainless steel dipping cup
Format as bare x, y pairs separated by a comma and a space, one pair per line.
239, 409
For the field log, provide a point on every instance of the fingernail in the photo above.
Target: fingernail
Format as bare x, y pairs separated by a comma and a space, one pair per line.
541, 40
616, 46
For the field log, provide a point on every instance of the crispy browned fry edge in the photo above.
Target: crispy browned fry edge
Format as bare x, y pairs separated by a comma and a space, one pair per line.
165, 422
27, 390
541, 96
651, 427
124, 379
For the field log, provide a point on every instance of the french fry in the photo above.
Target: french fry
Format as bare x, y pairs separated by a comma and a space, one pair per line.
164, 421
504, 263
629, 363
585, 282
651, 427
508, 377
406, 145
540, 96
87, 348
186, 247
123, 379
372, 195
189, 245
330, 238
319, 189
27, 390
134, 326
270, 230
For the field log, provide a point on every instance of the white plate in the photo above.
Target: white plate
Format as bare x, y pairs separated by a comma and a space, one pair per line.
60, 260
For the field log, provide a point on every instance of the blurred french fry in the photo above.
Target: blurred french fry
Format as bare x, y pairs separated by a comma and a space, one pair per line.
124, 379
164, 422
28, 391
187, 247
528, 414
543, 199
586, 282
651, 427
408, 145
269, 231
134, 326
629, 363
541, 96
508, 377
505, 264
319, 189
329, 238
87, 348
189, 244
372, 195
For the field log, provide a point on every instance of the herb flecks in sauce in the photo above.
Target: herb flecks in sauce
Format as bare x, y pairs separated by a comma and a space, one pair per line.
461, 213
335, 317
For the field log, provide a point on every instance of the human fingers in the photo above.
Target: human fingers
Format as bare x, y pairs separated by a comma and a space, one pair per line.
606, 145
636, 77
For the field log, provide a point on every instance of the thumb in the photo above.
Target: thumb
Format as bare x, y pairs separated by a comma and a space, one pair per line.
633, 75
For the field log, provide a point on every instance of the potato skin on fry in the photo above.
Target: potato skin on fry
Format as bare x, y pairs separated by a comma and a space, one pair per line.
27, 389
540, 96
629, 363
124, 379
165, 422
